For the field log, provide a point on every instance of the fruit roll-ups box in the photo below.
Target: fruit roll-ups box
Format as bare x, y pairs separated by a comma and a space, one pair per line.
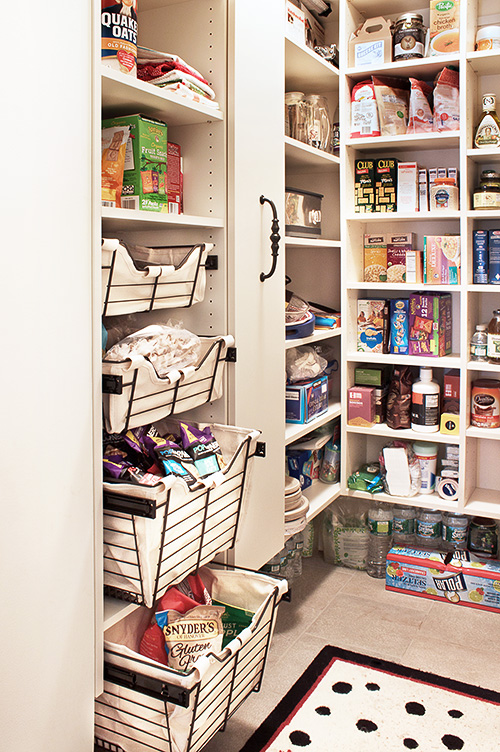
442, 260
145, 174
400, 326
364, 185
460, 578
375, 258
430, 324
386, 183
372, 325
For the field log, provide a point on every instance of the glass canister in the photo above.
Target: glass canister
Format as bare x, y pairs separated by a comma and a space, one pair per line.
408, 37
296, 113
483, 540
319, 122
487, 194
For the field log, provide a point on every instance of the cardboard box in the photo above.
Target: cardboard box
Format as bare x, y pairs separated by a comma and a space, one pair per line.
430, 324
442, 260
174, 178
364, 185
145, 175
376, 376
386, 181
466, 580
306, 400
372, 323
397, 246
295, 23
361, 406
494, 257
314, 32
400, 326
423, 191
450, 421
371, 44
444, 27
480, 257
375, 258
407, 192
414, 267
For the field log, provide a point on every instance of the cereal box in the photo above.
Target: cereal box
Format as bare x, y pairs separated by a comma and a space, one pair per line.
397, 246
386, 181
375, 258
444, 27
119, 36
145, 175
430, 324
399, 336
462, 578
364, 185
371, 325
442, 259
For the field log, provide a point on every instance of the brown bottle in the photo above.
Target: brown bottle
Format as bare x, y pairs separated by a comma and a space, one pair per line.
494, 338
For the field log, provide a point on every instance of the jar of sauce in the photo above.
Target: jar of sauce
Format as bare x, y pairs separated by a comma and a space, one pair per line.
408, 37
444, 194
487, 194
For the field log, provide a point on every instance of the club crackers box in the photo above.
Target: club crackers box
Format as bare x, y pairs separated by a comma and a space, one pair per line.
430, 324
364, 185
457, 577
386, 183
145, 175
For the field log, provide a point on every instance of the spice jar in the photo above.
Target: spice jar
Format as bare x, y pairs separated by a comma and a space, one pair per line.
408, 36
444, 194
487, 194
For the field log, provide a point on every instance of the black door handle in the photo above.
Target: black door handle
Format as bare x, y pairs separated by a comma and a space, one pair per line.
274, 238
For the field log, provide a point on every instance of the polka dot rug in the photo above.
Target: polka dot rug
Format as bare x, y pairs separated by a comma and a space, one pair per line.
348, 702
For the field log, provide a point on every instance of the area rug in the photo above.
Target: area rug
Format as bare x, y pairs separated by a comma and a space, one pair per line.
348, 702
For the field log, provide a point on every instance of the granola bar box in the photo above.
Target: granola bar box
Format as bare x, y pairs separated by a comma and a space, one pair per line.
457, 577
145, 175
430, 324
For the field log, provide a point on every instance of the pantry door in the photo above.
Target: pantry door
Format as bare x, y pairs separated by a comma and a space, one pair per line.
256, 308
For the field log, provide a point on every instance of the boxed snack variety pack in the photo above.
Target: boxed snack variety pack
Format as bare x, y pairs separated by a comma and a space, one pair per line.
460, 577
145, 175
386, 182
306, 400
372, 325
442, 259
430, 324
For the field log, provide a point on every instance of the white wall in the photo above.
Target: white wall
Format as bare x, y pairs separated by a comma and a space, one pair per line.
46, 550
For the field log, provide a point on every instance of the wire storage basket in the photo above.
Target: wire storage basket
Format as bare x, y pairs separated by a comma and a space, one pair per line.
136, 278
155, 536
146, 706
134, 394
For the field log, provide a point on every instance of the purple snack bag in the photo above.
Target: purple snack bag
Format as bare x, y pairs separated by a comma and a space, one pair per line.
203, 447
176, 461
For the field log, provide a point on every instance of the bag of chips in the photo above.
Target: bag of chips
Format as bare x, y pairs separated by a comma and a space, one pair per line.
447, 101
190, 635
420, 118
392, 95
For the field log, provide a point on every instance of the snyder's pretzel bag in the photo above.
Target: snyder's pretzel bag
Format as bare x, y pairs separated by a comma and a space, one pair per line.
113, 148
119, 35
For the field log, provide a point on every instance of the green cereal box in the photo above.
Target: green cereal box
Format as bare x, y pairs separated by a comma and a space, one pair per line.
145, 175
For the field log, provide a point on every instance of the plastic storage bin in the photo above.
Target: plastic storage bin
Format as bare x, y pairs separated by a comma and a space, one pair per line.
174, 278
155, 536
134, 394
146, 706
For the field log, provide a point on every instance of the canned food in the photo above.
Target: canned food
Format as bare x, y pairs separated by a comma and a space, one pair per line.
485, 403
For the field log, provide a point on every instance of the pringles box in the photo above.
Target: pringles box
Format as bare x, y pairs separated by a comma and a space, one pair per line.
430, 324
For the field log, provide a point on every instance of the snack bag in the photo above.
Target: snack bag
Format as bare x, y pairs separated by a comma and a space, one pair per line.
190, 635
113, 148
364, 115
399, 398
392, 97
203, 448
446, 101
420, 118
176, 461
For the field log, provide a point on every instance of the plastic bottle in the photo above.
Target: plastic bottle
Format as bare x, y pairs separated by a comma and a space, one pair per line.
380, 518
426, 453
479, 344
308, 537
403, 526
488, 130
298, 540
428, 529
425, 402
454, 531
494, 338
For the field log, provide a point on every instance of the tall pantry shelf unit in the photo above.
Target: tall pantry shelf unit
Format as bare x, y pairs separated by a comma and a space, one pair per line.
313, 264
479, 468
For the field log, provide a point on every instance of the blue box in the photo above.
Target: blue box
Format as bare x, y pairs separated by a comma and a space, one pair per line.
494, 257
480, 257
306, 400
400, 326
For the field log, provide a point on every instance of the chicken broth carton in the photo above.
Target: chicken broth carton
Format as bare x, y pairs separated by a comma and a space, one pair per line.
457, 577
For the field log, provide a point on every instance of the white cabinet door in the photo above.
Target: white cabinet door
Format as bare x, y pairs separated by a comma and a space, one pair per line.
256, 308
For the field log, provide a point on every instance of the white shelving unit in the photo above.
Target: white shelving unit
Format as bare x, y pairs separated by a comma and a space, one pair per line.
479, 477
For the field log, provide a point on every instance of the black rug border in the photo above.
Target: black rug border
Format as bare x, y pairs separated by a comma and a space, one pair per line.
296, 693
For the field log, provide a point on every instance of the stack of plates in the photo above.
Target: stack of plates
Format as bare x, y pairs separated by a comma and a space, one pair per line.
296, 507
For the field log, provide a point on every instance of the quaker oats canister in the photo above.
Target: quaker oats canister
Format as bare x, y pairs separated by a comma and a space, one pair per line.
485, 403
119, 35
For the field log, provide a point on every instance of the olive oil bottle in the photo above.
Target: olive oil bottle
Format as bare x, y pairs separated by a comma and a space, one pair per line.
488, 130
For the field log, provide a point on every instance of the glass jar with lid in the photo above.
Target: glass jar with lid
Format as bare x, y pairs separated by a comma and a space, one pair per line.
487, 194
408, 37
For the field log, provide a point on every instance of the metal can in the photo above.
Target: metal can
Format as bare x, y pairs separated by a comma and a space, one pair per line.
485, 403
408, 37
483, 540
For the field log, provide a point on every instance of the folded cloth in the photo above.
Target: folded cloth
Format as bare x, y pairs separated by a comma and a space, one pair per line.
146, 55
190, 92
149, 71
176, 76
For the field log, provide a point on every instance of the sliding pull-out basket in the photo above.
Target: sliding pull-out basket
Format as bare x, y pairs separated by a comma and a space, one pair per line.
155, 536
134, 394
174, 279
146, 706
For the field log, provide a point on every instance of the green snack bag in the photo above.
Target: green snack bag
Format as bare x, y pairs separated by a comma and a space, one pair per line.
234, 621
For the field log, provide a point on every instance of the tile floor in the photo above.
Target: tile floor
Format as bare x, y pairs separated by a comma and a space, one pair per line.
337, 606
